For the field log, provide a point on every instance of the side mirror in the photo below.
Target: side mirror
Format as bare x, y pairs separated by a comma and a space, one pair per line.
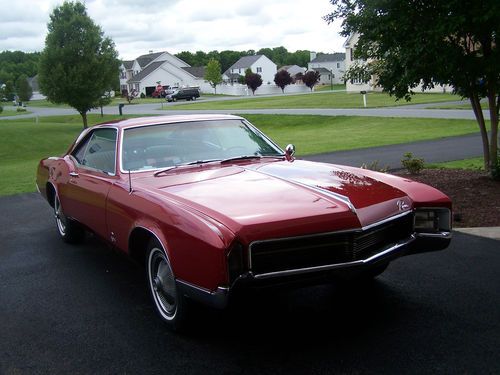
289, 152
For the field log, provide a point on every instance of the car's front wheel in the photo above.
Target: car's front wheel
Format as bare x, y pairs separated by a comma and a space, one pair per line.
68, 229
168, 302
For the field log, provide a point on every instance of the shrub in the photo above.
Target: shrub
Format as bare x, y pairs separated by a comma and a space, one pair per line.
21, 109
374, 166
1, 109
411, 164
143, 95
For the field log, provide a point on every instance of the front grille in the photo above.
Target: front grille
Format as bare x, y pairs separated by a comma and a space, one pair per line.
326, 249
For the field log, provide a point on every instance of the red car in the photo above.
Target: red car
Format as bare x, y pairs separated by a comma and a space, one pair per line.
211, 206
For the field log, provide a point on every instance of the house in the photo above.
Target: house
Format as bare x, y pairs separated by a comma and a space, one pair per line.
293, 70
331, 66
128, 69
356, 85
259, 64
145, 72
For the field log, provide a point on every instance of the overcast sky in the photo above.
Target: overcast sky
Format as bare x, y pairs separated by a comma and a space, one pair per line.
138, 26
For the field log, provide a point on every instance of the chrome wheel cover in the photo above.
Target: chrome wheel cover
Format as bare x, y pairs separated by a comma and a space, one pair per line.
162, 283
60, 218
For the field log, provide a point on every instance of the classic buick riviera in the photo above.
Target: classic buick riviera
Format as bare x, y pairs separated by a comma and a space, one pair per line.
211, 205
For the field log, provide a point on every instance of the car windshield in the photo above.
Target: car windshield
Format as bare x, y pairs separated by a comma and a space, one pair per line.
169, 145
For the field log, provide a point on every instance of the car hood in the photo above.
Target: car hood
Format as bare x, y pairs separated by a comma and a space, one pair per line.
275, 199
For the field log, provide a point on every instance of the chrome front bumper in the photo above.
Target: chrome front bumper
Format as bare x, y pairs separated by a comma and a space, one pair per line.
416, 243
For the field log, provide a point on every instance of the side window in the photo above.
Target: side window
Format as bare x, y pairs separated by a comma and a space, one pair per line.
98, 151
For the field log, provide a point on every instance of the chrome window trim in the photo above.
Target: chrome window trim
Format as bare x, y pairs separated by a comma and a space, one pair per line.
362, 229
241, 119
89, 134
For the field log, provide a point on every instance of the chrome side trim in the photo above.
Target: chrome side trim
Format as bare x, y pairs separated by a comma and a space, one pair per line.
386, 220
386, 252
444, 235
217, 298
344, 199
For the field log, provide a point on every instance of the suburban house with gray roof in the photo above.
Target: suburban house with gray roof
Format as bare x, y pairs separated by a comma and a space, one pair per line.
331, 66
259, 64
293, 70
144, 73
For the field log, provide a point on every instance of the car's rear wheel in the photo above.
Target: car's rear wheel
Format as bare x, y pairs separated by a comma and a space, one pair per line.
68, 229
168, 302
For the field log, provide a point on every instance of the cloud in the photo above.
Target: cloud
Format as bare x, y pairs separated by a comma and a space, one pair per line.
137, 26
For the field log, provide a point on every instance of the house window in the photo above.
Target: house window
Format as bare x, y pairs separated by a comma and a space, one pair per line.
338, 65
259, 69
357, 80
351, 54
137, 86
239, 70
122, 74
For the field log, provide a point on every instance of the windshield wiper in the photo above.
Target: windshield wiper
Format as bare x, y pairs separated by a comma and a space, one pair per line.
196, 162
156, 174
201, 161
246, 157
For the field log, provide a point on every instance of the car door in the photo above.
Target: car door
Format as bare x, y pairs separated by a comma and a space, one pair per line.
84, 196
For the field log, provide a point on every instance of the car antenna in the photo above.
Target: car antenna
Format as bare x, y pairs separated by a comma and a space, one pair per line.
129, 183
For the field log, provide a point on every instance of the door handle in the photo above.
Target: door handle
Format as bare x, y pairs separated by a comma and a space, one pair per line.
73, 174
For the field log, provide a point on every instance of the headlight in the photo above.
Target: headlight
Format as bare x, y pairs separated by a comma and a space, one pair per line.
432, 220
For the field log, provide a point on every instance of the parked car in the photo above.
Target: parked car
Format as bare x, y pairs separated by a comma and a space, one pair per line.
189, 93
210, 206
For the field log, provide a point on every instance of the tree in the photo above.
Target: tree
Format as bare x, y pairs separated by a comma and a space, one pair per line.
213, 74
408, 47
311, 78
9, 91
282, 79
253, 81
78, 64
24, 90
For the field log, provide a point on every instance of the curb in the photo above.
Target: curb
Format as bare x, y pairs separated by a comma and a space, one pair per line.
488, 232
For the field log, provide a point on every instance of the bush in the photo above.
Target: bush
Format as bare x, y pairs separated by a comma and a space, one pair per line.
374, 166
1, 109
143, 95
411, 164
21, 109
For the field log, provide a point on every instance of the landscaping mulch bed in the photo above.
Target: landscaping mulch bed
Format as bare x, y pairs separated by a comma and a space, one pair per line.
475, 196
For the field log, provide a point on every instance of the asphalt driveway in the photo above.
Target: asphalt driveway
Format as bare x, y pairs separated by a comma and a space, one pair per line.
84, 310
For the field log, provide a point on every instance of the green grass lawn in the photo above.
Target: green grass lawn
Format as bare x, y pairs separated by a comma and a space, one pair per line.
484, 106
23, 142
8, 112
318, 134
336, 87
321, 100
45, 103
473, 163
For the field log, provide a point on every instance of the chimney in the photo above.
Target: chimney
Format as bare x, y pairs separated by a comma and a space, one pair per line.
313, 55
150, 51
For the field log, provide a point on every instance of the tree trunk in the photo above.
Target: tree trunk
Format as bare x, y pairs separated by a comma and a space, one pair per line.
494, 128
84, 118
476, 106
